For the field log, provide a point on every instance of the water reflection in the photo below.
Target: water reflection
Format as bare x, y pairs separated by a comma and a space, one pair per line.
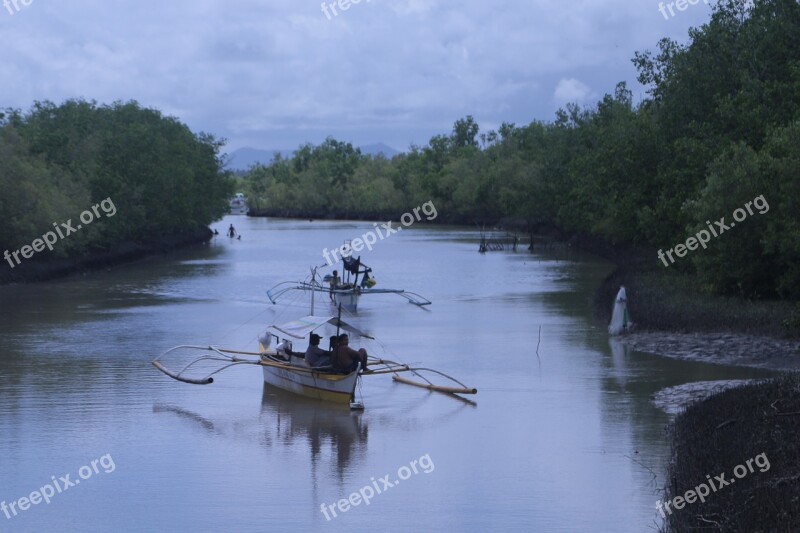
202, 421
81, 300
288, 418
619, 355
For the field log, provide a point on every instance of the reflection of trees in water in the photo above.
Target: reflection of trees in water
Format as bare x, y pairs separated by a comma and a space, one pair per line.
317, 422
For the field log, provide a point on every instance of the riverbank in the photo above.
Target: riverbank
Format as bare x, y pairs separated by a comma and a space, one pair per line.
721, 348
33, 270
321, 214
675, 318
760, 421
507, 224
719, 425
663, 300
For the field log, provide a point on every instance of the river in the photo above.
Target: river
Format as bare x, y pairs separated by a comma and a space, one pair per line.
568, 440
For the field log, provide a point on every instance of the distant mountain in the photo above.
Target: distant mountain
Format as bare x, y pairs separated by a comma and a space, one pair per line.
379, 148
244, 158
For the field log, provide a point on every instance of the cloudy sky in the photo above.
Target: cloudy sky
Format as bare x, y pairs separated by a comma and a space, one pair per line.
272, 74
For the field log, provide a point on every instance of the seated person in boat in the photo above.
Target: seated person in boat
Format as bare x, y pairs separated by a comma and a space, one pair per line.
346, 358
316, 356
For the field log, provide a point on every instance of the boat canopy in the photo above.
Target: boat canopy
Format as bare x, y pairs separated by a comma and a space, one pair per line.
302, 327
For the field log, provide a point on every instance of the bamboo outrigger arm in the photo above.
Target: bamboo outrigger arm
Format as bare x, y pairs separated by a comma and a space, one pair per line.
173, 375
393, 367
231, 360
437, 388
282, 288
229, 357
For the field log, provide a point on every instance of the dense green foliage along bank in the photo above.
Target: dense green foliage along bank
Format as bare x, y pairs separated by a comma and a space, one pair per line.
720, 127
58, 161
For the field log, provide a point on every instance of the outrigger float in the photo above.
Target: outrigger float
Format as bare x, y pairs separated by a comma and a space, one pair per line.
288, 370
348, 292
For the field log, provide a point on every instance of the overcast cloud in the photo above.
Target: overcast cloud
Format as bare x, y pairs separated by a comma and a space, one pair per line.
273, 74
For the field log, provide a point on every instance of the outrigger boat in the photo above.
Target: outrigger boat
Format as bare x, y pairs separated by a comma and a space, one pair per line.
287, 369
348, 292
238, 204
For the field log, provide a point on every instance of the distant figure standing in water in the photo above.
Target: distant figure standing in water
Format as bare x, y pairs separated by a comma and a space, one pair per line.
231, 232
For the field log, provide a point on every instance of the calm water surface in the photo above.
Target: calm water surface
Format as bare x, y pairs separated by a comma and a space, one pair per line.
568, 441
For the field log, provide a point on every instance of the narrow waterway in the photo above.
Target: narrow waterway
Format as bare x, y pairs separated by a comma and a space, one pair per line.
568, 440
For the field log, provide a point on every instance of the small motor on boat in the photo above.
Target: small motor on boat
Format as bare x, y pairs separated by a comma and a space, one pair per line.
284, 348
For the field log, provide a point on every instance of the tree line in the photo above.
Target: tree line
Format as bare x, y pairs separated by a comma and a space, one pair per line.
59, 160
720, 125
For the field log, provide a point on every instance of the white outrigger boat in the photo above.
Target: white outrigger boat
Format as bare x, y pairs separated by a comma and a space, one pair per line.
287, 369
348, 292
238, 204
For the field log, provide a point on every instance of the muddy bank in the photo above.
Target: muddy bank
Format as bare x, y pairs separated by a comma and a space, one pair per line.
719, 434
32, 270
675, 400
674, 318
738, 349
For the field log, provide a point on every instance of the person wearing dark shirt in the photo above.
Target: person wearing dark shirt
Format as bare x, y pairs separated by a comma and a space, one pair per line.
316, 356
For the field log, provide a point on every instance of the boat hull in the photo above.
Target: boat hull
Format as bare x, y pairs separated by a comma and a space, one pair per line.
336, 388
348, 300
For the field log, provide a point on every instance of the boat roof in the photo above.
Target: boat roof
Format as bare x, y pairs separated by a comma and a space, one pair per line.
302, 327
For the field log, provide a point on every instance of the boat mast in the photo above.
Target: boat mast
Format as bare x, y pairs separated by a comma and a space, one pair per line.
355, 280
313, 282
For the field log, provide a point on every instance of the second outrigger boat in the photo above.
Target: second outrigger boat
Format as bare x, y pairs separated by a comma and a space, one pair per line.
287, 369
355, 282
